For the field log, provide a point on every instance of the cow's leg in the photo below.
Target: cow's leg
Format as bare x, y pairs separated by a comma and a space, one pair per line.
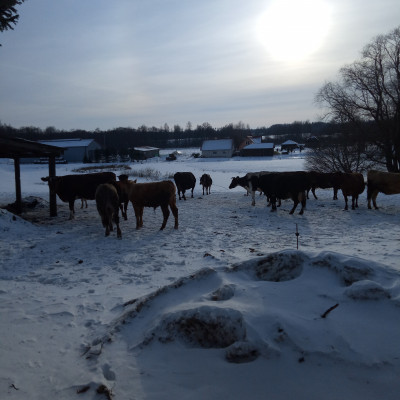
183, 194
165, 211
174, 209
137, 215
313, 192
192, 191
372, 195
295, 203
253, 198
345, 199
354, 202
141, 216
335, 192
303, 200
116, 221
71, 209
272, 200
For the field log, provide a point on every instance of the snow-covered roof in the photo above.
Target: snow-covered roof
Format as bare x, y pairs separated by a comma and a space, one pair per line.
145, 148
289, 142
221, 144
68, 142
260, 146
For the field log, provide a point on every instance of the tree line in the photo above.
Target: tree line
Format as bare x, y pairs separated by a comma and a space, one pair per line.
122, 138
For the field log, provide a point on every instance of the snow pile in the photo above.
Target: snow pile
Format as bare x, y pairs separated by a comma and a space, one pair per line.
318, 310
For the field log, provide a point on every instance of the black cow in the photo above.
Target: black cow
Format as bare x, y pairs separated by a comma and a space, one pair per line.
285, 185
71, 187
184, 181
206, 182
324, 180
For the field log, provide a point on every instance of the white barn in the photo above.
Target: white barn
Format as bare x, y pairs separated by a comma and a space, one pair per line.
217, 148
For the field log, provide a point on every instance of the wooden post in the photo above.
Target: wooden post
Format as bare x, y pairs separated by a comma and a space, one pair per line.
53, 196
18, 200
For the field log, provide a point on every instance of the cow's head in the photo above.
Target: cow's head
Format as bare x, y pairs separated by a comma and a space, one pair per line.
52, 181
234, 183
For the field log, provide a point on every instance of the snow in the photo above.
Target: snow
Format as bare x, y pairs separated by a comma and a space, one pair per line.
67, 143
224, 307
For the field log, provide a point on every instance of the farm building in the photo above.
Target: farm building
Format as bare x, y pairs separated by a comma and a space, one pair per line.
144, 152
75, 150
217, 148
258, 149
289, 145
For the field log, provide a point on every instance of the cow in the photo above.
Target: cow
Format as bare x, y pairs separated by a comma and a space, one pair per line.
285, 185
70, 187
108, 203
153, 194
324, 180
352, 184
206, 182
123, 197
184, 181
248, 182
381, 182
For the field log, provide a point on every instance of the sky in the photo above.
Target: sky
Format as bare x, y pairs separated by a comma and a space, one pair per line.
91, 64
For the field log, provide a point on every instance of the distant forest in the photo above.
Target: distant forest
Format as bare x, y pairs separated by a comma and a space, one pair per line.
119, 140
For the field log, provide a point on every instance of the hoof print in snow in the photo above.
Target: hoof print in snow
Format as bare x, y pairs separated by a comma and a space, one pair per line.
205, 327
225, 292
279, 267
241, 352
367, 290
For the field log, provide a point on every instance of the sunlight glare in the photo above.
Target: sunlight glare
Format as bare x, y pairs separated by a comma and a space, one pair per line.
291, 30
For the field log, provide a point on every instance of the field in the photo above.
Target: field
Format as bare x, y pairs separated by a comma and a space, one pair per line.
224, 307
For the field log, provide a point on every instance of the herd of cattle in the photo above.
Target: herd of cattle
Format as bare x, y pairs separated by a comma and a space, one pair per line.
113, 195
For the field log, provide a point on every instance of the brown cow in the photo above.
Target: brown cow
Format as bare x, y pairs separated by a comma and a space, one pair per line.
154, 194
384, 182
352, 184
108, 203
71, 187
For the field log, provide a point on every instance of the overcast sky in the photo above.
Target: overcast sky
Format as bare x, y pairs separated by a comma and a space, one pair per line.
104, 64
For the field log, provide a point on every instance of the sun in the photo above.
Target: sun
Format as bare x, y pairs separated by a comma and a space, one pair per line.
291, 30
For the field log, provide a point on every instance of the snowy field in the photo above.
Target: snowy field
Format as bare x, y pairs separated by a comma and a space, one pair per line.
225, 307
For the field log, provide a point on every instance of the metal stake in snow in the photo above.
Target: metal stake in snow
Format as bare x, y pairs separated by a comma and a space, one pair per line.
297, 236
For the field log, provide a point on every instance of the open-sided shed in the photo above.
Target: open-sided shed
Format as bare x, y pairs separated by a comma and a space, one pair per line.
16, 148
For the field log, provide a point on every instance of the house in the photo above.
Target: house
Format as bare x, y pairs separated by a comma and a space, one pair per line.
217, 148
144, 152
258, 150
289, 145
246, 141
75, 150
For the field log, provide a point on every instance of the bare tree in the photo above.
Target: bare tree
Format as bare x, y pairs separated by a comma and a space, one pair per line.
8, 14
369, 90
338, 157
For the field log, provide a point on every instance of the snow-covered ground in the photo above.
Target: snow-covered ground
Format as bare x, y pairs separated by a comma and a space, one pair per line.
223, 307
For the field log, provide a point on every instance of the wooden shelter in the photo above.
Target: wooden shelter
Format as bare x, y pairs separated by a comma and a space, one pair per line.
16, 149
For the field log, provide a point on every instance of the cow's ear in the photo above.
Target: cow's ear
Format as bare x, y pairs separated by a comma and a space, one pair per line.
46, 179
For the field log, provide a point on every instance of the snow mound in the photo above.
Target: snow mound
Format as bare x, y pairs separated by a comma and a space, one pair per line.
206, 327
276, 267
12, 223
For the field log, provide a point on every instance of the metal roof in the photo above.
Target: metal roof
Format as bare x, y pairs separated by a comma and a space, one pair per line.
21, 148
